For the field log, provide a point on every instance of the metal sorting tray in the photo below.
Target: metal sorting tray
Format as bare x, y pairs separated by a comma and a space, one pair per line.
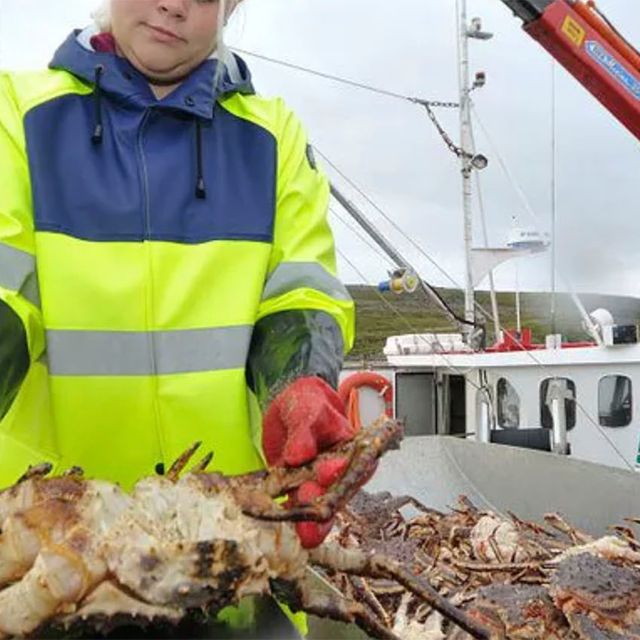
437, 469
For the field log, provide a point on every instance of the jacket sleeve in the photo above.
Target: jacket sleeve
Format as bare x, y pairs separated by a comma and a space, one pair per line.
306, 317
21, 327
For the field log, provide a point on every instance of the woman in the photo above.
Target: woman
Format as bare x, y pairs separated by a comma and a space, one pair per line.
167, 273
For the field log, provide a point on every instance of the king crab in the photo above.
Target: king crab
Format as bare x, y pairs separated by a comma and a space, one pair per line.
517, 579
83, 553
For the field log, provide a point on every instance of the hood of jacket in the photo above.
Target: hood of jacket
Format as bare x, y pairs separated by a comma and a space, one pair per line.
121, 81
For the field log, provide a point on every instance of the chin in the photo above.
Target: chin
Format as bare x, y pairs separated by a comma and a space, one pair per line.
163, 68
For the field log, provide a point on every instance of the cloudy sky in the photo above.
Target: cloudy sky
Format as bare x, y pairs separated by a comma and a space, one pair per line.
390, 149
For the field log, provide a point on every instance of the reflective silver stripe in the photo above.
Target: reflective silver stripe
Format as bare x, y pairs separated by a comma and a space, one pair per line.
31, 291
15, 267
297, 275
128, 353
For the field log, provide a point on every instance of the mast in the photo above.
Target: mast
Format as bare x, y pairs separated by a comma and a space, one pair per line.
470, 161
466, 142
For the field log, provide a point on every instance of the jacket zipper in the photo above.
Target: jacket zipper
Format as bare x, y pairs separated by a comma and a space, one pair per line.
150, 293
145, 176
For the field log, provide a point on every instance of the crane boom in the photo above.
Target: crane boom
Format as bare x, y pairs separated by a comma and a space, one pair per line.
583, 41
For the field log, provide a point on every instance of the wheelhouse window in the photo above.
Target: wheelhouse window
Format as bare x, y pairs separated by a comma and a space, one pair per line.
546, 419
615, 404
508, 405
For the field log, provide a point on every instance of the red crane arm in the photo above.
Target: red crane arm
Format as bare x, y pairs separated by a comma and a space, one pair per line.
582, 40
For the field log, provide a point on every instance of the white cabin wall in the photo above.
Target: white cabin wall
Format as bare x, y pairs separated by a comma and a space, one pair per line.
588, 439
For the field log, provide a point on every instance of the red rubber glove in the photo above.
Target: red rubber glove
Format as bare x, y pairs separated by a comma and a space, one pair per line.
304, 420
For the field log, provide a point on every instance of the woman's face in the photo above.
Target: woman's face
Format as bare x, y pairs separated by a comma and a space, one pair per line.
165, 39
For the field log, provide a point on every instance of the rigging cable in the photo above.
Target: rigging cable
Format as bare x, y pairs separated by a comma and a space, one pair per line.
413, 243
427, 104
416, 332
481, 310
485, 236
404, 319
526, 205
530, 354
361, 236
346, 81
390, 220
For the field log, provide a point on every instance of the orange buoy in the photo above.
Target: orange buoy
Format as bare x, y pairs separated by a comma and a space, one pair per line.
349, 393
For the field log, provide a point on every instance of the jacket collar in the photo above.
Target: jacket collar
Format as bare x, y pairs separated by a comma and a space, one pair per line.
122, 81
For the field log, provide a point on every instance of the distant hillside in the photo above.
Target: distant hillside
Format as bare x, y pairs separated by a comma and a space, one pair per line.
382, 315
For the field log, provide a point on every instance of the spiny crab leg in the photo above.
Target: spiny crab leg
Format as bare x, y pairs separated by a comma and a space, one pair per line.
58, 576
368, 446
575, 535
275, 482
301, 596
374, 565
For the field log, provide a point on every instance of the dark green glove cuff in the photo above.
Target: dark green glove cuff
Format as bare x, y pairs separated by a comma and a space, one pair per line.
292, 344
14, 356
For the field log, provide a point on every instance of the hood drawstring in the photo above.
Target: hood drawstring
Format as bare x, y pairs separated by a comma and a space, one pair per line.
98, 131
98, 134
201, 190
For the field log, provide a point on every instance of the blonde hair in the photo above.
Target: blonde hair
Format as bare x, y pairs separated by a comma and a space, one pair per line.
102, 19
102, 16
225, 56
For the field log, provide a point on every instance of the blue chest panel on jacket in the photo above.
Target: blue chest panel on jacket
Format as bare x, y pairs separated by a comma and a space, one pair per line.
140, 182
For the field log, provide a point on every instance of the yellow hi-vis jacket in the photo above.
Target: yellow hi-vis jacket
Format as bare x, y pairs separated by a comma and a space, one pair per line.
142, 242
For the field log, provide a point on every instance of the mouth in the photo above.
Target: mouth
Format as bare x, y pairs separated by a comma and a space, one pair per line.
164, 35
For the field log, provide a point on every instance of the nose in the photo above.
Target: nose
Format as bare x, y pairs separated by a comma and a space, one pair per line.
176, 9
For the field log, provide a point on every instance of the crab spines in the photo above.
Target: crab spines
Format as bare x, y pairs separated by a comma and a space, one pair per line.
201, 467
36, 471
74, 472
183, 460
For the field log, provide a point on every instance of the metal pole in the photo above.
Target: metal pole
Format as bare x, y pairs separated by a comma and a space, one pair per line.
466, 142
483, 415
492, 287
518, 318
557, 394
494, 307
553, 200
